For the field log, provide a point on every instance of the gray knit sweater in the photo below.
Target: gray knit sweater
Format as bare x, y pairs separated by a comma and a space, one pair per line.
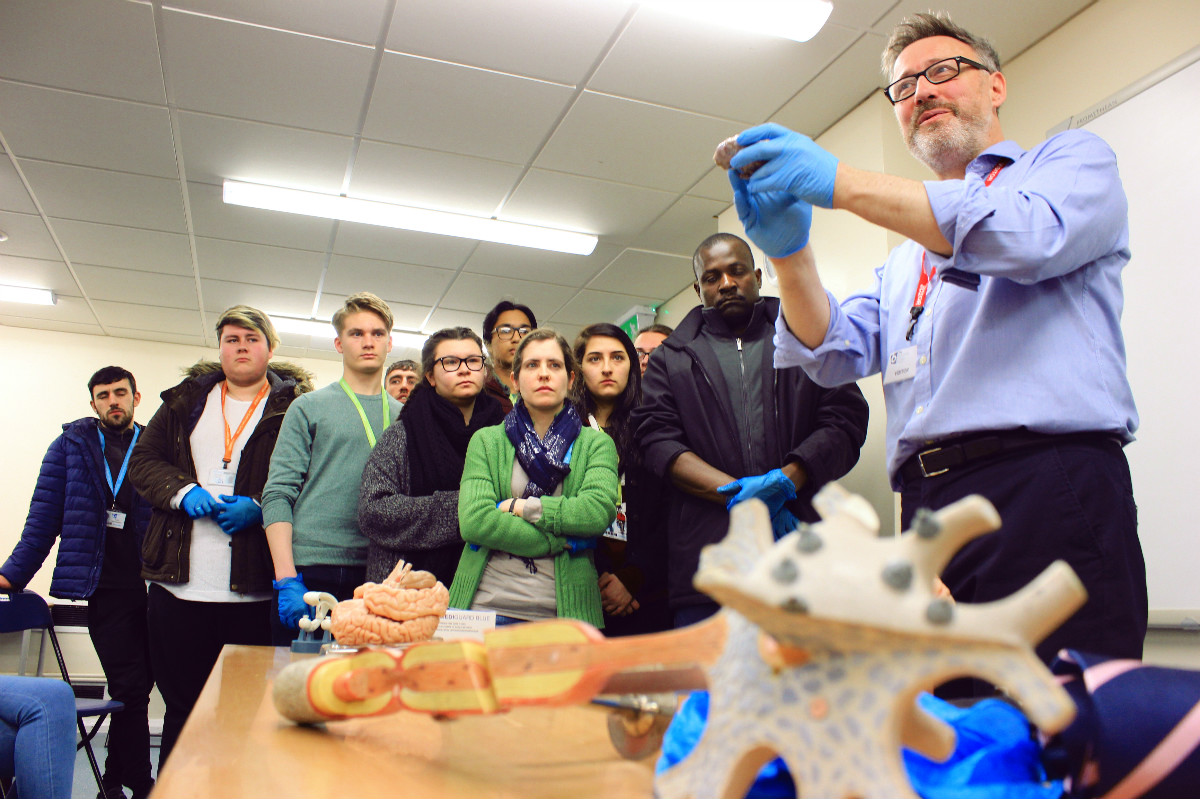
422, 530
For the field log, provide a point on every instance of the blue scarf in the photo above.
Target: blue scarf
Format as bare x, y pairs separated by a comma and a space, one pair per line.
544, 460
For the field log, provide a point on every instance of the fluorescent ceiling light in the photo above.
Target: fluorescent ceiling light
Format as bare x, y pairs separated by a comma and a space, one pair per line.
27, 295
370, 212
798, 20
324, 329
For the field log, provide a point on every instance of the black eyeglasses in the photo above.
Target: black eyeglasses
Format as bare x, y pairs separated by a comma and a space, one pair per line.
644, 354
505, 332
937, 72
451, 363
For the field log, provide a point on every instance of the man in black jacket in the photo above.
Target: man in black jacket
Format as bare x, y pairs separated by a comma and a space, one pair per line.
723, 425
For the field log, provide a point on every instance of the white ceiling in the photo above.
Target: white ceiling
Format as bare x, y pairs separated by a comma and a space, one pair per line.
120, 119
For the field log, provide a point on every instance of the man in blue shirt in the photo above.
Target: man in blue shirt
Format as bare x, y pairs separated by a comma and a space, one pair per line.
996, 327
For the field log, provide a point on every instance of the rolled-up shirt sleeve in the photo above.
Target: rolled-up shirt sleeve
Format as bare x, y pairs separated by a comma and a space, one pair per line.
850, 350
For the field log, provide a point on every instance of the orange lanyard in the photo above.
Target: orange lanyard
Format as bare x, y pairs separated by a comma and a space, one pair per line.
918, 304
230, 439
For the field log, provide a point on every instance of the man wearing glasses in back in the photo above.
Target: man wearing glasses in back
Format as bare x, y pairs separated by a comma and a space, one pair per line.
996, 326
503, 328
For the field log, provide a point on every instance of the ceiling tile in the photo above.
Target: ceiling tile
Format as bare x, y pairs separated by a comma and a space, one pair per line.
458, 109
654, 274
272, 266
681, 229
216, 148
404, 315
390, 244
416, 284
13, 196
104, 47
212, 217
347, 20
148, 317
221, 294
577, 203
621, 140
711, 69
823, 101
449, 317
27, 237
428, 179
859, 13
124, 247
565, 329
714, 186
469, 293
138, 288
59, 325
545, 39
37, 273
66, 309
598, 306
97, 195
539, 266
67, 127
231, 69
158, 335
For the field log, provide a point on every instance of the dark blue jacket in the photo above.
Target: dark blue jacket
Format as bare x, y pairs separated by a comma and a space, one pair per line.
70, 500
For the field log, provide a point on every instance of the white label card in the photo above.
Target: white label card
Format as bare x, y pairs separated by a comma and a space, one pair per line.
901, 366
465, 624
222, 477
115, 519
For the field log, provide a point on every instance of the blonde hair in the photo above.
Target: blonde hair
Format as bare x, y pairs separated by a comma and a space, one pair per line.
250, 319
363, 301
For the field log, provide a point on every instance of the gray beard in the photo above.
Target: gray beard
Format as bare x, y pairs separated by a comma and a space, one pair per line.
951, 147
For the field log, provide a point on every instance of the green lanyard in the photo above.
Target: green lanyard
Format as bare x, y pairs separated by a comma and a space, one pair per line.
363, 414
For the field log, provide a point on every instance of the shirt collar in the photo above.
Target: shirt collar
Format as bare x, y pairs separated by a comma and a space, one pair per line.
1007, 150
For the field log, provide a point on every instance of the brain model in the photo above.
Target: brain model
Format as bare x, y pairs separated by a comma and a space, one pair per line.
405, 607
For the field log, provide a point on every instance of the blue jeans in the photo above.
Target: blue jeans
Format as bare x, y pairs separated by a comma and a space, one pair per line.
37, 735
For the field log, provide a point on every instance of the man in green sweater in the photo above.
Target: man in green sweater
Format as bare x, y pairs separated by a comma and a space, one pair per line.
310, 502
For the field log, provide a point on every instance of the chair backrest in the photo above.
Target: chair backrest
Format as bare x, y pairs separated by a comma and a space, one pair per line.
23, 610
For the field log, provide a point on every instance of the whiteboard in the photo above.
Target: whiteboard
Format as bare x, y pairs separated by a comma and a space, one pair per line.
1154, 128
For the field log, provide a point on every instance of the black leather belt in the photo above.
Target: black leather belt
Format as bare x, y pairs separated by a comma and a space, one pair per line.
945, 456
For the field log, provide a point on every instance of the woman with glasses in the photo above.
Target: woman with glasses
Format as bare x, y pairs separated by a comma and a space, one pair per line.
536, 494
408, 503
631, 555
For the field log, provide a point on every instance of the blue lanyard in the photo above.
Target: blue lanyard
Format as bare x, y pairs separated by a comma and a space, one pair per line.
124, 465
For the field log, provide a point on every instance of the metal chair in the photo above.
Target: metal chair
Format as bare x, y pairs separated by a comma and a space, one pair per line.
26, 611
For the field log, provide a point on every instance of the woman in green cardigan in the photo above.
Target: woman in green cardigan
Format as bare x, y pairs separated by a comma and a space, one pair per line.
536, 494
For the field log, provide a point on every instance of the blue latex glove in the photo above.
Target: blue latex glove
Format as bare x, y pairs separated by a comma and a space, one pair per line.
776, 221
577, 546
237, 513
292, 607
783, 523
774, 488
197, 503
794, 164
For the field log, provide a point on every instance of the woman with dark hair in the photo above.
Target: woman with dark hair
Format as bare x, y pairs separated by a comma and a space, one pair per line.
536, 494
631, 555
408, 503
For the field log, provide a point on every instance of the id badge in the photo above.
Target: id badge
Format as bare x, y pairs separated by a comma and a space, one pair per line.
901, 366
115, 519
222, 477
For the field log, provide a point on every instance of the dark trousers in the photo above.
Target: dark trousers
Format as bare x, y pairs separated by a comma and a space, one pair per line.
117, 624
688, 615
340, 581
185, 641
1069, 500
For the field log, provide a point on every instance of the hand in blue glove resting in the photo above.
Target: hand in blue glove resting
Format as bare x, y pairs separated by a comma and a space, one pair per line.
776, 221
197, 503
235, 513
774, 488
783, 523
292, 607
577, 546
794, 164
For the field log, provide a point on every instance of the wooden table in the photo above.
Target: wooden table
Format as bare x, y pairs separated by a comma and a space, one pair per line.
235, 744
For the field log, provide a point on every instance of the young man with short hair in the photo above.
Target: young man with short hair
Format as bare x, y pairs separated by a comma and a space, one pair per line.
202, 464
503, 328
310, 503
83, 499
648, 341
400, 379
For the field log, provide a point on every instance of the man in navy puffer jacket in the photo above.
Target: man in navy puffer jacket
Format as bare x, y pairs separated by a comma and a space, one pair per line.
83, 498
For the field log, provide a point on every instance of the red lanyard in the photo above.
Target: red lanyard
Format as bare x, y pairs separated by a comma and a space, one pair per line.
230, 439
918, 304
